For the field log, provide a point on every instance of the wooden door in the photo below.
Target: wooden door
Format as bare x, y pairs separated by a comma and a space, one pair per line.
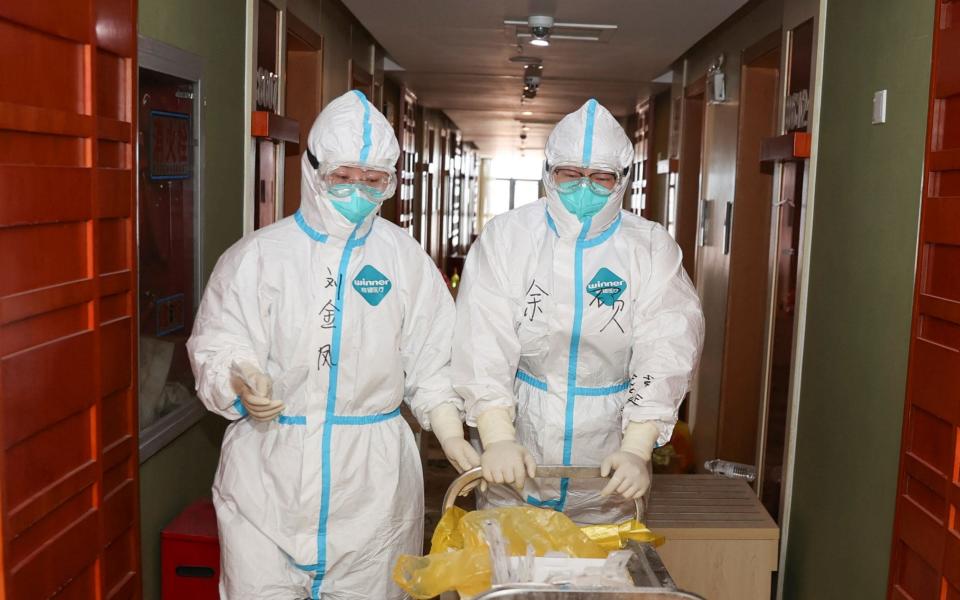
925, 559
688, 194
303, 99
747, 241
68, 425
265, 190
788, 223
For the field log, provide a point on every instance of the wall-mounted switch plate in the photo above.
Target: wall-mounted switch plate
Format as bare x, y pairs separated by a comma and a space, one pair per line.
880, 107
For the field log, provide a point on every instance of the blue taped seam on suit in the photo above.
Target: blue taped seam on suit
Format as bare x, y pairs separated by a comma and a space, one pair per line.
530, 380
588, 132
606, 390
572, 389
310, 231
574, 355
365, 419
239, 407
550, 222
330, 413
282, 419
605, 235
601, 391
367, 143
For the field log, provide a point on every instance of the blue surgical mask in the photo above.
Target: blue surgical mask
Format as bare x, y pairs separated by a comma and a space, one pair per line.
354, 204
582, 198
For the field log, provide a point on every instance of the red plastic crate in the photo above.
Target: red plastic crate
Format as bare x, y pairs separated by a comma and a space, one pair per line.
190, 555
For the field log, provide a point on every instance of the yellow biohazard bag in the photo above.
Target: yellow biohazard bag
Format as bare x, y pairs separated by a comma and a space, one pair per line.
459, 557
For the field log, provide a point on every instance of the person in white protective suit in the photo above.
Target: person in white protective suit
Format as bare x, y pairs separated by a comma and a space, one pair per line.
577, 332
310, 334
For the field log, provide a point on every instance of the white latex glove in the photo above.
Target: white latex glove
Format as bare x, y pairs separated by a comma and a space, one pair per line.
503, 459
447, 426
631, 463
255, 388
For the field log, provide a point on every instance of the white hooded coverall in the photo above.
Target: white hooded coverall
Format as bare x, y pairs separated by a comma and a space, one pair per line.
347, 320
579, 328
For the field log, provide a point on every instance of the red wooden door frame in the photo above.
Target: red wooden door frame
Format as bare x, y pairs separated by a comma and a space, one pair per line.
925, 558
69, 493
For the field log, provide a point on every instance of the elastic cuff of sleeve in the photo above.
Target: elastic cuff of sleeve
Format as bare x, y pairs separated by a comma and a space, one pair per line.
640, 438
239, 407
496, 425
445, 421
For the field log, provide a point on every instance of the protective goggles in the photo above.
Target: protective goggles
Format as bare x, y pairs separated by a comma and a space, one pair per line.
342, 179
602, 181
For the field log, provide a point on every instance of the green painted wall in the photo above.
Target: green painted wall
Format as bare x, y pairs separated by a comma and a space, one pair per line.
214, 30
861, 291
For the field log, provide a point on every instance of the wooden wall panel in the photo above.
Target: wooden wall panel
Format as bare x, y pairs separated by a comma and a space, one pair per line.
44, 70
925, 561
68, 424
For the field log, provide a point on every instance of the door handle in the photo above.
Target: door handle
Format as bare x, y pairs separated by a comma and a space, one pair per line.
727, 227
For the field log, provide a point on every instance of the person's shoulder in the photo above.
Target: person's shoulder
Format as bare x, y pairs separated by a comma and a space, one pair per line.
525, 221
397, 241
390, 232
634, 224
249, 249
643, 231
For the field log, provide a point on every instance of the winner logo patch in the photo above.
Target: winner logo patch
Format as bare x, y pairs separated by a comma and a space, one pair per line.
372, 285
606, 286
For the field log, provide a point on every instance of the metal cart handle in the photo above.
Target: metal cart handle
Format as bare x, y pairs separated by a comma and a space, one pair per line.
543, 472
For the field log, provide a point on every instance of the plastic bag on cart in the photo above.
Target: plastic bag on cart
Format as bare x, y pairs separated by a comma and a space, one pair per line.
459, 556
615, 537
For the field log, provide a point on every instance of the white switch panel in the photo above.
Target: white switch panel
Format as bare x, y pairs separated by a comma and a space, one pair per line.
880, 107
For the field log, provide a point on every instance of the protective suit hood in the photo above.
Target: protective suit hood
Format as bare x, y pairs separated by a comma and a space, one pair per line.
590, 137
348, 130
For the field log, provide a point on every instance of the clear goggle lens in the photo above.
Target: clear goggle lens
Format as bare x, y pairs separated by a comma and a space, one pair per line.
345, 190
568, 179
343, 180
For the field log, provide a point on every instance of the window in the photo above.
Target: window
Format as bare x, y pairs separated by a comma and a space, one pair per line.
500, 197
525, 191
515, 181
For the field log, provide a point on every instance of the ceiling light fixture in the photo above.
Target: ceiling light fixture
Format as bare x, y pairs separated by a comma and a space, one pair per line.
543, 29
540, 29
527, 113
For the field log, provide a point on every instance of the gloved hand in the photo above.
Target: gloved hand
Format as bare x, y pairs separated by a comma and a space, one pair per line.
631, 463
255, 388
503, 459
447, 426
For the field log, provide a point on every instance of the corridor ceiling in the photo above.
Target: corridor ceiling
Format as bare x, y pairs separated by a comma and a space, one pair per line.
455, 55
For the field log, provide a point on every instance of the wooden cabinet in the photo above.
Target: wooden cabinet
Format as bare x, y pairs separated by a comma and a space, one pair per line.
721, 543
